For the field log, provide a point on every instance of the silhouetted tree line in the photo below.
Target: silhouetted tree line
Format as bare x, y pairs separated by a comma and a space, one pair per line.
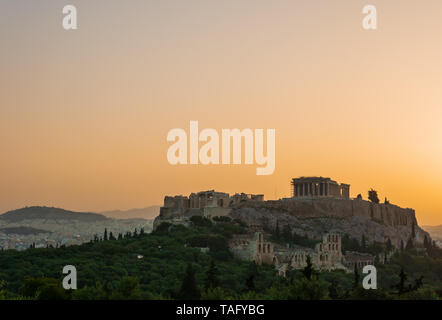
127, 235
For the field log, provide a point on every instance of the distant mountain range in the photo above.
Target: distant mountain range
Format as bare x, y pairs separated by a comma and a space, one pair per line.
49, 213
143, 213
434, 231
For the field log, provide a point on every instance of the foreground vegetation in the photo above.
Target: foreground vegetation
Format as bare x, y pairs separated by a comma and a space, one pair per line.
170, 264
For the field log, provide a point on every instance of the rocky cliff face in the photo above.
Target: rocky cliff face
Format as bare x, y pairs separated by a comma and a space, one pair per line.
314, 217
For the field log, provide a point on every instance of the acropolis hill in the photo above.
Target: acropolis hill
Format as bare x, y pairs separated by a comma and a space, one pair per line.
318, 205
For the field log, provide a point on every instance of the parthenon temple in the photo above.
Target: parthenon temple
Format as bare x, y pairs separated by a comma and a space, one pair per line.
319, 187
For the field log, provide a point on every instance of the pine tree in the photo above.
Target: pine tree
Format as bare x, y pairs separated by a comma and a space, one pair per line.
308, 270
250, 281
212, 276
363, 242
335, 290
287, 234
402, 279
189, 289
356, 277
105, 234
141, 231
389, 245
135, 232
373, 196
290, 273
418, 283
277, 233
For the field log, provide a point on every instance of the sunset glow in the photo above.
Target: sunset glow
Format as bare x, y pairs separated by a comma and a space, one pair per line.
84, 115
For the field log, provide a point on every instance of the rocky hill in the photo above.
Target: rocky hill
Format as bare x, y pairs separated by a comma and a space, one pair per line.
313, 217
49, 213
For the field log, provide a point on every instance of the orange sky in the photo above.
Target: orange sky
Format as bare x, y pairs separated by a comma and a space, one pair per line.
84, 114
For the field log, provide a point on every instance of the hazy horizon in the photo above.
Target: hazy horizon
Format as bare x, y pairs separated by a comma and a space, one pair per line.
84, 114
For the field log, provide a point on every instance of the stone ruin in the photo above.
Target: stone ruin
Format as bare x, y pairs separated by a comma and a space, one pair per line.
209, 204
319, 187
327, 254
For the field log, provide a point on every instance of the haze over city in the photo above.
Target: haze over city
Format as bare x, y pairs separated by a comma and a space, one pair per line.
84, 114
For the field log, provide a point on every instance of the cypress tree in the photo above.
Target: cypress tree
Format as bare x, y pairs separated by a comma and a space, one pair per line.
308, 270
363, 242
389, 245
212, 276
250, 281
356, 277
189, 289
402, 279
287, 234
277, 233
